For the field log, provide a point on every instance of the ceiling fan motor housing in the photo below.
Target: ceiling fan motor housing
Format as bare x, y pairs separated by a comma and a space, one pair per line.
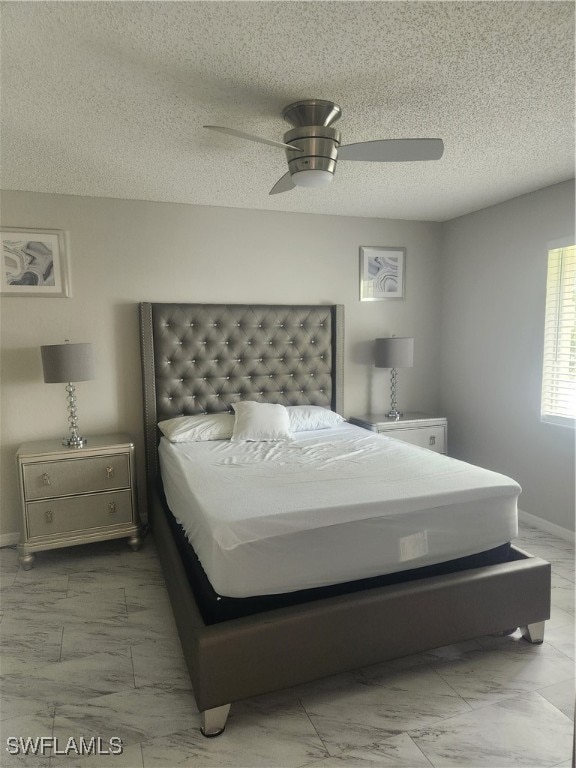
312, 135
319, 147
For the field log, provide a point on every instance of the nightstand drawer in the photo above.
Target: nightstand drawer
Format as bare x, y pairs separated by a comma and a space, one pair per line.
433, 438
48, 479
79, 513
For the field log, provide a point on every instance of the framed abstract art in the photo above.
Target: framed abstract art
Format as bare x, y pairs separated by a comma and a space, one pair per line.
34, 262
382, 273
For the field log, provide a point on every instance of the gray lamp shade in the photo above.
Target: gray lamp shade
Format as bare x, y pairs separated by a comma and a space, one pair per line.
63, 363
395, 352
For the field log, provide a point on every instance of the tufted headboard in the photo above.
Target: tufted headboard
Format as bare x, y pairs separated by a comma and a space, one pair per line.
201, 358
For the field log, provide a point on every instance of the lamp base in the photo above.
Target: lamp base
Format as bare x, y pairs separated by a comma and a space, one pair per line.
74, 442
393, 413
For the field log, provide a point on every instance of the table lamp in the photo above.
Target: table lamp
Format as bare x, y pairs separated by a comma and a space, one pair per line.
67, 363
394, 352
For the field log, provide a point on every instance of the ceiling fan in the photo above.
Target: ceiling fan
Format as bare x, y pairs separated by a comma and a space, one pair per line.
313, 146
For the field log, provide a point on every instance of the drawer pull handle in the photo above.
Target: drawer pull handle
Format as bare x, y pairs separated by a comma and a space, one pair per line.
432, 440
46, 479
112, 507
49, 515
109, 471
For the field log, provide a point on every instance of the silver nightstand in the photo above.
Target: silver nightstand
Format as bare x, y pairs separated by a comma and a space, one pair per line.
76, 495
417, 428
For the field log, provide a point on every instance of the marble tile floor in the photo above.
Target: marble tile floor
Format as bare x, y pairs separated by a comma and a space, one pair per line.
89, 648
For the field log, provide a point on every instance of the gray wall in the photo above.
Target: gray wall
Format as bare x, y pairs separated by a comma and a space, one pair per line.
493, 298
477, 310
122, 252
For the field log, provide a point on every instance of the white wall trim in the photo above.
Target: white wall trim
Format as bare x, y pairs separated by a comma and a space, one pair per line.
545, 525
9, 539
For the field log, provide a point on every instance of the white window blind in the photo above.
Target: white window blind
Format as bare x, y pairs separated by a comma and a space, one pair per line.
559, 370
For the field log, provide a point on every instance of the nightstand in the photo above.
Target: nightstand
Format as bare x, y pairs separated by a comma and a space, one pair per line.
417, 428
76, 495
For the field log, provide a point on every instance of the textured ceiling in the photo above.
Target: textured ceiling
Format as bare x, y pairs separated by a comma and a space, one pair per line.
109, 98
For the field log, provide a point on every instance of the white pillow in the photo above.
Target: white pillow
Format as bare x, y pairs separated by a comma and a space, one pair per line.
205, 426
260, 421
307, 417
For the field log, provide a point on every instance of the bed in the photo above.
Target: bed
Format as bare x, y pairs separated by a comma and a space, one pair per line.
203, 358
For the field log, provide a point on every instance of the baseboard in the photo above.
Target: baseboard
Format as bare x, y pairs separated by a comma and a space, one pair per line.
9, 539
545, 525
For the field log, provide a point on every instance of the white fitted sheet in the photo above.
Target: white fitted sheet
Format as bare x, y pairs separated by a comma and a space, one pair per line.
334, 505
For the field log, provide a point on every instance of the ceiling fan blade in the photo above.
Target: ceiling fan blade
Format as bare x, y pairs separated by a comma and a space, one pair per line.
284, 184
251, 137
393, 150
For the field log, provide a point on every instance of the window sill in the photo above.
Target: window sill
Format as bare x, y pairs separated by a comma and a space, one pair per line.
559, 421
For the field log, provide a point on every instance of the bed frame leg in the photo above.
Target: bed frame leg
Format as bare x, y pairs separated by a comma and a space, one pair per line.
534, 633
214, 721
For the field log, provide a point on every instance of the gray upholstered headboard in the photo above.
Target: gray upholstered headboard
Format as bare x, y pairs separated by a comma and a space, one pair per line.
201, 358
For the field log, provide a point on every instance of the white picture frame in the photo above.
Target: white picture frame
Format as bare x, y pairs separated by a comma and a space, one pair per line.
382, 273
34, 262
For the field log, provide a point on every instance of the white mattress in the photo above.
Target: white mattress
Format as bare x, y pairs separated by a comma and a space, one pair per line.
332, 506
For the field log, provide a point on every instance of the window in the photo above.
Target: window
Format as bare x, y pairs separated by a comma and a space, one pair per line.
559, 370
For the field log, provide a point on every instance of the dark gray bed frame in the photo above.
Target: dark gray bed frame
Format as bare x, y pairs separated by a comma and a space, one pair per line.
203, 357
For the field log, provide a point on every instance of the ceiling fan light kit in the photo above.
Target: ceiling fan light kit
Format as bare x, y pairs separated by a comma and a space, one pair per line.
313, 177
312, 146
